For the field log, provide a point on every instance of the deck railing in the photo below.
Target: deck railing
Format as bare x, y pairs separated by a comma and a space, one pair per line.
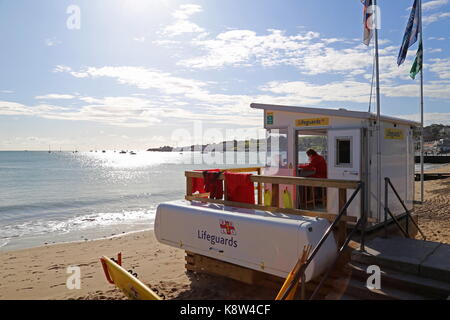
275, 182
387, 184
300, 274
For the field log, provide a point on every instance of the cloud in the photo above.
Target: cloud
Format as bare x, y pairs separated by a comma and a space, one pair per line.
435, 17
196, 101
55, 96
119, 111
185, 93
309, 94
182, 24
186, 10
61, 68
143, 78
431, 90
430, 5
14, 108
307, 52
137, 112
244, 47
139, 39
441, 67
429, 118
172, 91
51, 42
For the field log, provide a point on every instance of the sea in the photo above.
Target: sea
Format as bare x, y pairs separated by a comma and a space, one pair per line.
48, 198
55, 197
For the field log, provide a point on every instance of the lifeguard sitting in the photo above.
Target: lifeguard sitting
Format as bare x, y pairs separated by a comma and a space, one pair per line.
317, 164
318, 168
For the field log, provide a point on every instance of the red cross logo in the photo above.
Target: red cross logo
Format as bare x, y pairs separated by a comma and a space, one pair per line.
227, 227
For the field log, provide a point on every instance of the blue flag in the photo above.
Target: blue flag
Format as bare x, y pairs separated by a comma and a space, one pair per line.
411, 32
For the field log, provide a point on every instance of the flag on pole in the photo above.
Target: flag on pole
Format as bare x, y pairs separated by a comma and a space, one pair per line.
367, 21
417, 65
411, 32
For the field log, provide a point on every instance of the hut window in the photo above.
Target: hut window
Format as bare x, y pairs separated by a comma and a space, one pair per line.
343, 151
277, 148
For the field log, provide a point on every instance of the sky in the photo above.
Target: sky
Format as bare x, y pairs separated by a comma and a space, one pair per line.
130, 74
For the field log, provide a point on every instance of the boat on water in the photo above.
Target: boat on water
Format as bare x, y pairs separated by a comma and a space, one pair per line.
132, 153
122, 152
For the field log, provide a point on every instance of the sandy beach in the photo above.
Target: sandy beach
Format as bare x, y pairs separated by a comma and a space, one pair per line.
434, 213
40, 273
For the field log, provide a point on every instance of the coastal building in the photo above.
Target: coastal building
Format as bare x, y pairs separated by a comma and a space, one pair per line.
267, 234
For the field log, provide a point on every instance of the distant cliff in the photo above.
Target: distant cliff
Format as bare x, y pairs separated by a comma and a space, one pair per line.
318, 143
436, 132
161, 149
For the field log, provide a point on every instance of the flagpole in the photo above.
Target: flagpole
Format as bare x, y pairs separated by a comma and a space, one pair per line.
377, 76
421, 111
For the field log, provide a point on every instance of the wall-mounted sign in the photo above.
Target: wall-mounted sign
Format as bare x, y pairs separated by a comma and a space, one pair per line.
393, 134
269, 118
315, 122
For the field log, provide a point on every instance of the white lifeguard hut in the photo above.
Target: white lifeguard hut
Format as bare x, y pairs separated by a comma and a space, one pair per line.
237, 239
350, 151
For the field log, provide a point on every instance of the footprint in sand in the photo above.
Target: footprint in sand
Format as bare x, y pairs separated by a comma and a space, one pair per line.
55, 267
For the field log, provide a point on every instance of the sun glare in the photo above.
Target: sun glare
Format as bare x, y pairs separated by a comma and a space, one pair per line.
139, 6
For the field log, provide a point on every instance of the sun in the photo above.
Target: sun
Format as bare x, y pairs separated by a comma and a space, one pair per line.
140, 6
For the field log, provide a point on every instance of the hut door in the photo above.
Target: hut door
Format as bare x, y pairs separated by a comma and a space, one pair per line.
344, 163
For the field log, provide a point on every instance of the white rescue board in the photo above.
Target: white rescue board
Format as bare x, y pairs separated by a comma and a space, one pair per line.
260, 240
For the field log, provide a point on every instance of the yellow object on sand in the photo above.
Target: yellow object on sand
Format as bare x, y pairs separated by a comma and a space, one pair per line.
291, 276
287, 199
131, 286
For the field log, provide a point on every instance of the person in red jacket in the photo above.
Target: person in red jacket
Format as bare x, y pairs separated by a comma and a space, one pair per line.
316, 163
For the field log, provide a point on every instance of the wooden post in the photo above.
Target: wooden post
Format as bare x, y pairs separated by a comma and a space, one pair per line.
342, 228
189, 186
275, 195
225, 194
259, 189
